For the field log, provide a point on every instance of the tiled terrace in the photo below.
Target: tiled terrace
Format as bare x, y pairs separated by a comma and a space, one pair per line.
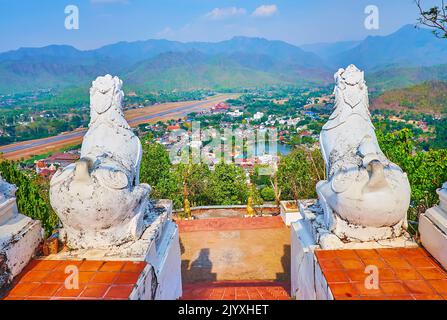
404, 274
235, 259
237, 290
99, 280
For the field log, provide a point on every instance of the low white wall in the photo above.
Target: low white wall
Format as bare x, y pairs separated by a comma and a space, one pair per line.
307, 279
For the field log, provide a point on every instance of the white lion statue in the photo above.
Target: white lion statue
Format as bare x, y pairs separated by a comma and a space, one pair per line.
366, 197
99, 199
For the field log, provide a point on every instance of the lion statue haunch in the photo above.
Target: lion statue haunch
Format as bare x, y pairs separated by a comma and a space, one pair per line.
99, 199
366, 197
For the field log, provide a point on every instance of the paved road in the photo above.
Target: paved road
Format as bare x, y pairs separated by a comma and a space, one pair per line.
80, 133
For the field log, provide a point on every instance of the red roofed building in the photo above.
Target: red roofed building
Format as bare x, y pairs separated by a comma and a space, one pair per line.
48, 166
72, 157
173, 128
47, 173
220, 107
305, 134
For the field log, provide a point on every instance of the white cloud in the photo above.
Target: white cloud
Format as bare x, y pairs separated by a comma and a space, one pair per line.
266, 10
166, 32
224, 13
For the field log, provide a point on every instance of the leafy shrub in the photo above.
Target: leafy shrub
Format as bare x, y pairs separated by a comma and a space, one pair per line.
268, 194
32, 195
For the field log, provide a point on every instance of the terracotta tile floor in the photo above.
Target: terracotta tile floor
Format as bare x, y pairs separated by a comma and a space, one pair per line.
223, 224
99, 280
232, 290
235, 259
404, 274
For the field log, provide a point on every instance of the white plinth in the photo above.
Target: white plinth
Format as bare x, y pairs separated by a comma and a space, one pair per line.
8, 210
159, 246
19, 239
308, 282
289, 216
309, 235
433, 235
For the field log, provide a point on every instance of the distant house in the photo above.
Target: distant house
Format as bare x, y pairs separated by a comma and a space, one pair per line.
258, 116
235, 114
220, 107
47, 167
173, 128
62, 159
305, 134
47, 173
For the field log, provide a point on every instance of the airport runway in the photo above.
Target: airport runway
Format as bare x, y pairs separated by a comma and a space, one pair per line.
40, 146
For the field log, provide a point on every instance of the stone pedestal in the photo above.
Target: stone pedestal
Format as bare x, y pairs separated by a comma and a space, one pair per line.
289, 213
309, 235
159, 247
19, 239
106, 213
433, 229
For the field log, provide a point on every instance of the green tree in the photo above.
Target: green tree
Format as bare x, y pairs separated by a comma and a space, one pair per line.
32, 195
268, 194
195, 182
155, 163
298, 173
228, 185
426, 170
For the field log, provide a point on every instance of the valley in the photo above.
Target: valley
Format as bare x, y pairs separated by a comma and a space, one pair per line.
135, 117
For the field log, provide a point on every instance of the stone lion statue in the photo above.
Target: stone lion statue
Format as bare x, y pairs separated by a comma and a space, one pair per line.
365, 197
99, 199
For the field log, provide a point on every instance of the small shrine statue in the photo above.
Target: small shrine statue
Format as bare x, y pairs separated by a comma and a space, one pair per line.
366, 197
99, 199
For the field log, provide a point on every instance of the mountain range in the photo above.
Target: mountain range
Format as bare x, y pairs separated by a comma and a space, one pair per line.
405, 57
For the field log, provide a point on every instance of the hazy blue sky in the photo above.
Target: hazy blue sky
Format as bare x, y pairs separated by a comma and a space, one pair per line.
29, 23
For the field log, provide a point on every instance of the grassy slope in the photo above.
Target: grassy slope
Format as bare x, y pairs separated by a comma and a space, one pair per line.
428, 97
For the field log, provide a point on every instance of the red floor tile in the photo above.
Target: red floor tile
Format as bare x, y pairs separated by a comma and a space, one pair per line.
418, 287
393, 288
45, 280
422, 262
432, 273
362, 290
439, 285
137, 267
127, 278
70, 293
91, 265
34, 276
62, 265
23, 289
104, 277
344, 290
86, 276
336, 276
45, 290
367, 254
119, 292
352, 264
112, 266
45, 265
353, 275
403, 274
96, 291
407, 274
223, 224
236, 291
